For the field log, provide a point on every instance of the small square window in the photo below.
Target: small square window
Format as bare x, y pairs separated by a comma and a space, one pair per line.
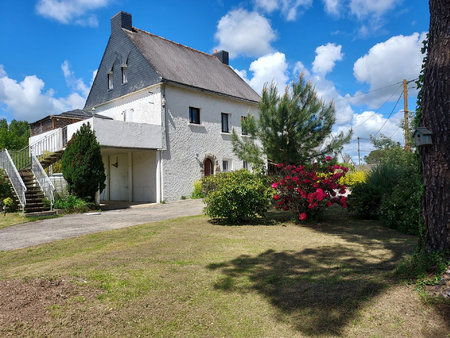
243, 129
110, 80
194, 115
225, 123
225, 166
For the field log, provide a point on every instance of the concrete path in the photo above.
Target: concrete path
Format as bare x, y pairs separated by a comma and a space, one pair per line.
28, 234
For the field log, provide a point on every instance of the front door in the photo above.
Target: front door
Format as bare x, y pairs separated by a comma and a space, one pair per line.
208, 167
118, 177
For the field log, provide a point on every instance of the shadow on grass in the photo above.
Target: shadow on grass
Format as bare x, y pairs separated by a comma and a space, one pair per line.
320, 290
273, 217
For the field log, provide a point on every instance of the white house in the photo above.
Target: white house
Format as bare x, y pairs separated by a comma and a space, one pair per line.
162, 112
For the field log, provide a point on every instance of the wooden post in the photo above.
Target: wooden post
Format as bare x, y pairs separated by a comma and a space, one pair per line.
405, 114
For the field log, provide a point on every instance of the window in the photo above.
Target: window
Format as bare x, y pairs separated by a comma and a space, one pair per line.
225, 123
243, 130
110, 80
124, 73
194, 115
245, 165
225, 166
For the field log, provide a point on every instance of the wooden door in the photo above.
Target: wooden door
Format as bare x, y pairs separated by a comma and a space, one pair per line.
208, 166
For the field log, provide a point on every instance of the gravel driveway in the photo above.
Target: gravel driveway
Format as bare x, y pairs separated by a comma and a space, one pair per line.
28, 234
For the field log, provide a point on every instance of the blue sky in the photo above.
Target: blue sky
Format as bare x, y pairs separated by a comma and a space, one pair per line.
349, 49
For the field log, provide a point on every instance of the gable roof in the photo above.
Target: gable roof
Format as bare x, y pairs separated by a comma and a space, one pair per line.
184, 65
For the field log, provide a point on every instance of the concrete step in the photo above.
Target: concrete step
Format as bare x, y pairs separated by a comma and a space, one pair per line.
40, 213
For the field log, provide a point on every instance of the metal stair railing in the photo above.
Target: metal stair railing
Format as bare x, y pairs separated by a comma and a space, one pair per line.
41, 177
52, 142
19, 187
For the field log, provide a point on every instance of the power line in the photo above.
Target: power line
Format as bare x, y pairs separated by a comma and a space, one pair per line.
376, 110
390, 114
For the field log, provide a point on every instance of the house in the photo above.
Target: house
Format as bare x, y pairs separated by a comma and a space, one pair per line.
162, 112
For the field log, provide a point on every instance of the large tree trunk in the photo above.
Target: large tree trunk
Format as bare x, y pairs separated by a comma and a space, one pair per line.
436, 117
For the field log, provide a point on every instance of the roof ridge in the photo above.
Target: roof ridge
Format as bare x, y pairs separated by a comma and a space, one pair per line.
176, 43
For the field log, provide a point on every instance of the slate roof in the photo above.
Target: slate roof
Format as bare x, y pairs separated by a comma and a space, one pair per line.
81, 114
183, 65
74, 114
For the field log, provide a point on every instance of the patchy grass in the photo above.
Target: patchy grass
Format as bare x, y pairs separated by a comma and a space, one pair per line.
12, 218
191, 277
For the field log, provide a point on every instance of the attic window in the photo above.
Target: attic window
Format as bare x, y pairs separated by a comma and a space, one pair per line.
110, 80
124, 73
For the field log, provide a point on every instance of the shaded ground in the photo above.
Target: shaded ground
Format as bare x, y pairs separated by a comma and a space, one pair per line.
189, 277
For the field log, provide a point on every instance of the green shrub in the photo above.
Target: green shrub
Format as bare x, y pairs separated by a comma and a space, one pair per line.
236, 196
6, 192
401, 209
71, 203
365, 199
392, 192
82, 164
197, 193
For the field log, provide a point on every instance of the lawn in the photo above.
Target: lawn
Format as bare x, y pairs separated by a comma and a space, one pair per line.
190, 277
12, 218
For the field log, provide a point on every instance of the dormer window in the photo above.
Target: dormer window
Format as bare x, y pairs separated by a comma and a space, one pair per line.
110, 80
124, 73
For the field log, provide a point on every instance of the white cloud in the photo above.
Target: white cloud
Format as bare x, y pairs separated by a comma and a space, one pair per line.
326, 57
73, 82
332, 7
71, 11
387, 63
289, 8
27, 100
365, 8
267, 69
244, 33
366, 124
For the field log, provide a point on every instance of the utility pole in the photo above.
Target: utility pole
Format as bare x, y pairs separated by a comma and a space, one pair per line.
359, 153
405, 113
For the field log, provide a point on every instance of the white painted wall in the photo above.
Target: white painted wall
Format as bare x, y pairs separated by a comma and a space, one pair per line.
143, 106
112, 133
143, 168
181, 166
144, 176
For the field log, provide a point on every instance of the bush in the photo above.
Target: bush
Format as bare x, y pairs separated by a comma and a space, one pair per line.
197, 193
7, 192
71, 203
365, 199
82, 164
392, 193
353, 178
236, 196
306, 190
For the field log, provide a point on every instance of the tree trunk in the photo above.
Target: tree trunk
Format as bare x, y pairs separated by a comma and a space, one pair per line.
436, 117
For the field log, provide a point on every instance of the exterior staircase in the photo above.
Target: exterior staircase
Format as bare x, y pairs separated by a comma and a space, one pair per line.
34, 195
48, 159
26, 174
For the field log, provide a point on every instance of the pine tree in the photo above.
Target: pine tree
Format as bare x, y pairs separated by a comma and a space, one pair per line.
292, 129
82, 164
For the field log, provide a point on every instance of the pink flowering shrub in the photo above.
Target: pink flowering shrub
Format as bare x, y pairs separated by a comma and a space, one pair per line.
306, 190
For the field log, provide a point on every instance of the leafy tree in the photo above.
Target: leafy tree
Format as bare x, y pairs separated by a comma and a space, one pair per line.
384, 145
15, 135
82, 164
292, 128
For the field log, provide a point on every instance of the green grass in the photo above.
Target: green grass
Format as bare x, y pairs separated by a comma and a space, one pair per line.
191, 277
12, 218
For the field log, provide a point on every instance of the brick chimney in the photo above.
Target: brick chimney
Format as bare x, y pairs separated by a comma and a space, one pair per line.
222, 56
121, 20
